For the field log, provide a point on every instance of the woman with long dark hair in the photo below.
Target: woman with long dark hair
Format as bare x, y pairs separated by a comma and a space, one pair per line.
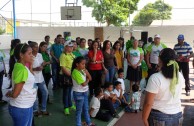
23, 95
162, 104
12, 59
96, 65
109, 60
118, 55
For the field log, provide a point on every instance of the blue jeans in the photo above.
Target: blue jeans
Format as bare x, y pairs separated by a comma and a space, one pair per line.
157, 118
55, 74
1, 83
44, 93
81, 101
116, 104
21, 116
110, 74
67, 97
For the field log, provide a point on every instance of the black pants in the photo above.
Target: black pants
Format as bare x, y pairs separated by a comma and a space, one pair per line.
47, 77
184, 67
107, 105
96, 80
104, 116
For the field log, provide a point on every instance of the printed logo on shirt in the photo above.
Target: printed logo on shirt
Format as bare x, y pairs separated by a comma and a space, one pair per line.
156, 52
135, 54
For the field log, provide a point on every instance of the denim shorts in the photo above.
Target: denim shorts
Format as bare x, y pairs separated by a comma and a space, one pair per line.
157, 118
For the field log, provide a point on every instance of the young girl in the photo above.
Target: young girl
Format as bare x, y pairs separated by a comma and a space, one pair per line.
23, 95
38, 66
66, 60
81, 78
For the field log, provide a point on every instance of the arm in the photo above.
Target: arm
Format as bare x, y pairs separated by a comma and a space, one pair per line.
91, 111
16, 91
4, 68
141, 58
52, 55
65, 71
148, 59
149, 100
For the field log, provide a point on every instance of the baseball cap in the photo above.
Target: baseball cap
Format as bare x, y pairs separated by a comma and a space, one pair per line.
68, 43
181, 37
157, 36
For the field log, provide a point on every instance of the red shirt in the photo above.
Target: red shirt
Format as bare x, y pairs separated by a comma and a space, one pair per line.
99, 57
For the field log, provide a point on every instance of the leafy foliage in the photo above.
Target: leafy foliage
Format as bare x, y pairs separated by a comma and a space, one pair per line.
112, 12
150, 12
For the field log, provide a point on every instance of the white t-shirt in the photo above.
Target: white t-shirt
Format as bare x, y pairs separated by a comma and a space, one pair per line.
155, 51
135, 55
83, 51
122, 84
95, 104
78, 78
117, 92
27, 96
108, 93
164, 100
136, 97
2, 56
38, 60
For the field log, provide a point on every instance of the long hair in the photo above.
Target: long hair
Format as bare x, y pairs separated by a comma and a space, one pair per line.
42, 44
76, 61
92, 48
165, 56
122, 39
14, 43
105, 43
21, 48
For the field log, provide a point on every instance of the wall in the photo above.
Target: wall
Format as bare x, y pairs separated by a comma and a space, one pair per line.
168, 33
5, 41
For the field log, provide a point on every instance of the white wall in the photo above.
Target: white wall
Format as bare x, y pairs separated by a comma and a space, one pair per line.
5, 41
37, 33
168, 33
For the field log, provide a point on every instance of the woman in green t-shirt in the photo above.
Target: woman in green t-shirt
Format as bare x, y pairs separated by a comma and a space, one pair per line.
23, 95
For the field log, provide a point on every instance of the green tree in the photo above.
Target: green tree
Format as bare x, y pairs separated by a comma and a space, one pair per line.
2, 31
113, 12
150, 12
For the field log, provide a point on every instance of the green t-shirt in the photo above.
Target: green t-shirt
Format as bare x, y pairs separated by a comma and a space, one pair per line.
66, 60
77, 53
46, 58
20, 73
78, 76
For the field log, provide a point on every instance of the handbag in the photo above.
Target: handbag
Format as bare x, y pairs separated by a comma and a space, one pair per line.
67, 81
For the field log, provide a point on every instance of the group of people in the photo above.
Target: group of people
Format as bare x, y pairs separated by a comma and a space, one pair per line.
96, 72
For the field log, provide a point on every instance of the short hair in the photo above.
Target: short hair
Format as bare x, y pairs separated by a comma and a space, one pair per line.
117, 83
82, 39
59, 35
97, 91
47, 36
120, 71
135, 88
107, 84
89, 39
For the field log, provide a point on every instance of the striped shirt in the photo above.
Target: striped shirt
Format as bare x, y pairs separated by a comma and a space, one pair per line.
184, 50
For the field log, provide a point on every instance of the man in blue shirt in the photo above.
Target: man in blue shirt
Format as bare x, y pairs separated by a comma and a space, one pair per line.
56, 51
183, 51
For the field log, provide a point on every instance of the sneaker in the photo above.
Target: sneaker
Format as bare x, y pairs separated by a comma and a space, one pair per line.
73, 107
66, 111
37, 114
116, 116
188, 93
45, 113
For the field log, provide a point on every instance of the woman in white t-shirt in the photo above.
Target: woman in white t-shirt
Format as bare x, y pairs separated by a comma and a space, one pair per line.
134, 58
162, 102
38, 66
23, 95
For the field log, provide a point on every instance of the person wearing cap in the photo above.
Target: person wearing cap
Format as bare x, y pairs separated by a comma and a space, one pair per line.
183, 51
66, 60
153, 52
